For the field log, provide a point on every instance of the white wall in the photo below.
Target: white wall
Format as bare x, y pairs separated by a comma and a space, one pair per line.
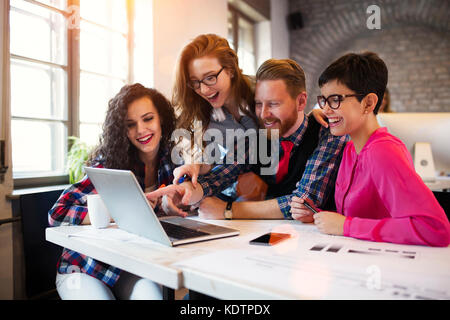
279, 29
177, 22
143, 32
272, 37
263, 42
6, 251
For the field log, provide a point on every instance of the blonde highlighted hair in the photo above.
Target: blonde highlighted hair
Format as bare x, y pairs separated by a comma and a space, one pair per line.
284, 69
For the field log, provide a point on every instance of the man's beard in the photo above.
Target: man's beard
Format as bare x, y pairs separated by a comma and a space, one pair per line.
284, 126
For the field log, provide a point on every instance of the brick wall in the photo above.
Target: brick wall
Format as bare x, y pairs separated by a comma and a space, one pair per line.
414, 41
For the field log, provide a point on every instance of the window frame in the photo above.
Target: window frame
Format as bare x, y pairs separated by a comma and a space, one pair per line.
73, 73
236, 15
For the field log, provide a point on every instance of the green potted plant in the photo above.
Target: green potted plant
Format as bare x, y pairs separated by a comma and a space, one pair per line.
76, 158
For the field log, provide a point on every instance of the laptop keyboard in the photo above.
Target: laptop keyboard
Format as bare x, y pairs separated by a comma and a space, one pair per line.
180, 232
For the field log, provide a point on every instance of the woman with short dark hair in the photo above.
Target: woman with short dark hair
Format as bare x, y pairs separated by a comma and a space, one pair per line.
379, 196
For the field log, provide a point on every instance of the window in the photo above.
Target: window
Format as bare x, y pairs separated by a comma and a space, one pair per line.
62, 77
38, 88
103, 61
241, 36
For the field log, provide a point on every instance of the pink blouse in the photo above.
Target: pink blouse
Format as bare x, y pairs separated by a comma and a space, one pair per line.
384, 199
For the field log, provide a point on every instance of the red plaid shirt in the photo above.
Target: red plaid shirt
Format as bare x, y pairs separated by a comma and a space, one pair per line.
71, 209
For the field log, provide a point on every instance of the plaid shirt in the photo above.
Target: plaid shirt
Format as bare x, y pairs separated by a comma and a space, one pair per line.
213, 182
224, 175
320, 170
71, 209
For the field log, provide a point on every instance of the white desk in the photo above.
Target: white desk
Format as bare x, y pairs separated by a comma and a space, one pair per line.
440, 184
143, 257
231, 268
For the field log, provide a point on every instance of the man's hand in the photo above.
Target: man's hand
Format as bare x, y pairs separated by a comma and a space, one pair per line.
212, 208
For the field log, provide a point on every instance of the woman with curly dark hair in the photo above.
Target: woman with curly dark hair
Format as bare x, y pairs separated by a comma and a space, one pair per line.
114, 139
136, 136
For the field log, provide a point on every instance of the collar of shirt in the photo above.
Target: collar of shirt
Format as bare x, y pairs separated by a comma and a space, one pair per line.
221, 114
165, 169
229, 122
297, 136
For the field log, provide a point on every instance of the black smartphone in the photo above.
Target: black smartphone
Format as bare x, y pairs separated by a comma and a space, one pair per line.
270, 239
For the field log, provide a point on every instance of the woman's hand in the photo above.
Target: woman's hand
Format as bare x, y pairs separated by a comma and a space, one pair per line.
170, 207
154, 202
175, 196
172, 197
330, 222
320, 117
192, 170
300, 212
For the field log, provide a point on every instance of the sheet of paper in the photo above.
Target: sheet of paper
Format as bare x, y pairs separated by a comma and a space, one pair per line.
111, 233
324, 275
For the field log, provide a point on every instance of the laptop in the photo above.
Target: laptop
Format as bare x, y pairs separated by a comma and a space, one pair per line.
130, 209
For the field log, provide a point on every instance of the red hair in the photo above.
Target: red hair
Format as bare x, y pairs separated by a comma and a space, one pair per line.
191, 105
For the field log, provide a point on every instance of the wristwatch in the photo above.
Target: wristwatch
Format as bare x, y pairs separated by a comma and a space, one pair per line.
228, 214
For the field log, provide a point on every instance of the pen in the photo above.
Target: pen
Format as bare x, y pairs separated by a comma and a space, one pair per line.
309, 206
181, 180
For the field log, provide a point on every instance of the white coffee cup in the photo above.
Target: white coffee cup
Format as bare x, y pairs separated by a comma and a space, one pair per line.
98, 214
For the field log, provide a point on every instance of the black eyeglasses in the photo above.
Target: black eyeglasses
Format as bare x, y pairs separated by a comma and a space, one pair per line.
209, 81
334, 101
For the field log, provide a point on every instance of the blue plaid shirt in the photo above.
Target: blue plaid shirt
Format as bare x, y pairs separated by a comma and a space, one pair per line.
71, 209
319, 175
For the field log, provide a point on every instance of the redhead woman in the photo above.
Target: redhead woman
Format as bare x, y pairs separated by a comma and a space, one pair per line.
211, 92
